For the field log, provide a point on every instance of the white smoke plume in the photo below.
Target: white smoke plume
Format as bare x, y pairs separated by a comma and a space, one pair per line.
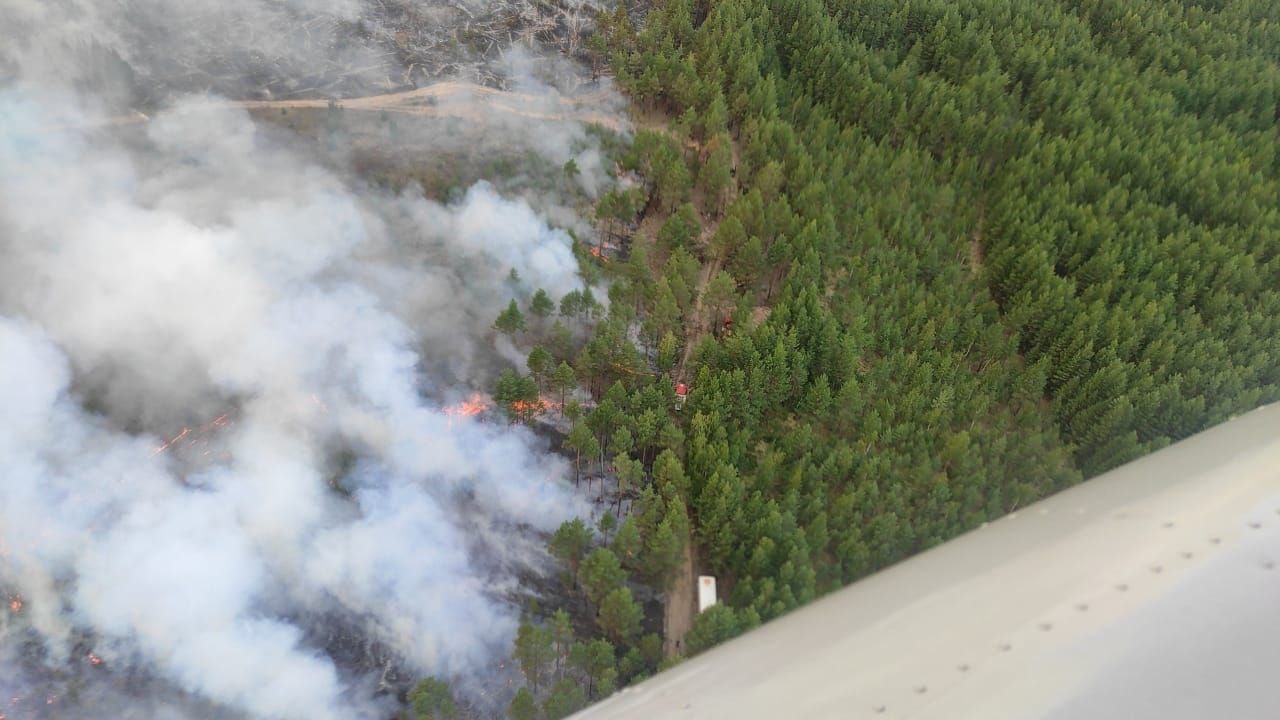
146, 51
194, 268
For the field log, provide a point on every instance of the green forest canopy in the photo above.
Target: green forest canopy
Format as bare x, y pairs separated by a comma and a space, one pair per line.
972, 253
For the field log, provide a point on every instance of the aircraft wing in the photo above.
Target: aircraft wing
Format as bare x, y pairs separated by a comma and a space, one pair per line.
1149, 592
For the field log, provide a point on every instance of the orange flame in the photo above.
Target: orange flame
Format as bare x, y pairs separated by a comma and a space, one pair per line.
541, 405
219, 422
472, 406
169, 443
15, 603
596, 252
535, 406
94, 660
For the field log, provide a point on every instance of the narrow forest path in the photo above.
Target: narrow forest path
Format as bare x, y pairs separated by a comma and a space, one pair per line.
681, 607
976, 252
445, 99
696, 325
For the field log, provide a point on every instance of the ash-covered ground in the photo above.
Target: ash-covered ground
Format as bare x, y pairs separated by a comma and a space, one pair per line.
144, 53
230, 336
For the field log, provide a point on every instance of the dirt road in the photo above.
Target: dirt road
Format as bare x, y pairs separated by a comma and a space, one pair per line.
445, 99
680, 608
696, 324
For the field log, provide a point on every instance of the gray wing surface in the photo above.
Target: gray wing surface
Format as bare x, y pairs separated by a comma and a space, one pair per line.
1149, 592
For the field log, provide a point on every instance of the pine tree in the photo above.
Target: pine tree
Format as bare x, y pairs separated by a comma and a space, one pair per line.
539, 363
627, 545
673, 179
562, 639
719, 505
729, 237
523, 706
680, 229
664, 317
669, 476
619, 616
534, 652
748, 261
583, 442
715, 175
570, 543
681, 273
721, 294
564, 380
664, 551
630, 473
541, 305
560, 341
511, 320
571, 305
564, 699
597, 661
711, 627
431, 699
668, 351
518, 396
714, 120
601, 574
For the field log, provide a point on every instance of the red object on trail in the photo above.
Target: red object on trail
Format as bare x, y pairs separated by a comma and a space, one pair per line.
682, 392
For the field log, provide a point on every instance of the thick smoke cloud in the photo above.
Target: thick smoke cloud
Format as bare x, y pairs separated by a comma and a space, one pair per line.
196, 267
143, 51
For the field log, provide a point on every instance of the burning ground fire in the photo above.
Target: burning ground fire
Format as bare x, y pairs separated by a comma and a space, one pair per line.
192, 436
195, 434
541, 405
479, 404
475, 405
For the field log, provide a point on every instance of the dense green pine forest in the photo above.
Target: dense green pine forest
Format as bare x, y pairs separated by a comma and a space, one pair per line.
970, 254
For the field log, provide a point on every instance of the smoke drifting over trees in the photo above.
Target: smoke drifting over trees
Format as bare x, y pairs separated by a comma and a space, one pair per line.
200, 267
148, 51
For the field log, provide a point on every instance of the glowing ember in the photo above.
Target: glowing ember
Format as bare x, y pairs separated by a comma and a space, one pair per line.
535, 407
94, 659
15, 603
169, 443
472, 406
219, 422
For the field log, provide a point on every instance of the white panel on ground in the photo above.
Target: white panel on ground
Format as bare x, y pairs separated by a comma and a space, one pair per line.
706, 592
